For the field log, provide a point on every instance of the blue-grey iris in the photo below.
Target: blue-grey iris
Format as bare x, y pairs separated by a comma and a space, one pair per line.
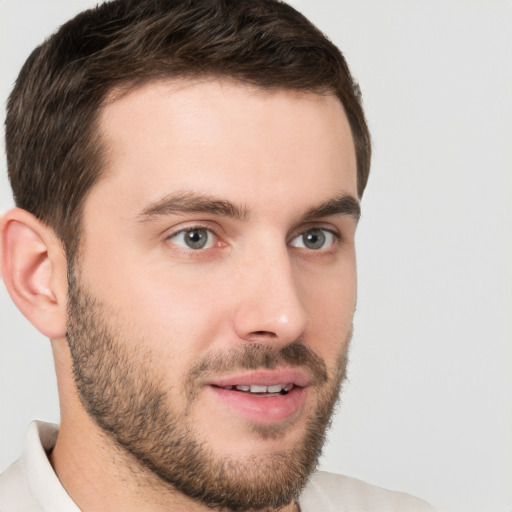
314, 239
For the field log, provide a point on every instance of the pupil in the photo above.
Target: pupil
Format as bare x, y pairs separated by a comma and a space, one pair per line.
314, 239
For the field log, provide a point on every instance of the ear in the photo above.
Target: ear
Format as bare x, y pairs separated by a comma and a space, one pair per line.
33, 266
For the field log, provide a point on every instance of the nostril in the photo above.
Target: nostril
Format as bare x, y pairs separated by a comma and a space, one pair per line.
264, 333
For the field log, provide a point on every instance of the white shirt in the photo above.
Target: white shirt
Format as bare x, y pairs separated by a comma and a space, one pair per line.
31, 485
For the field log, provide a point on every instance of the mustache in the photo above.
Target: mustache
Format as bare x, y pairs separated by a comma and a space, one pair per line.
256, 356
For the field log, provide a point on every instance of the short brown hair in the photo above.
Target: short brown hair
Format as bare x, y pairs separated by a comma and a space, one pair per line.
54, 155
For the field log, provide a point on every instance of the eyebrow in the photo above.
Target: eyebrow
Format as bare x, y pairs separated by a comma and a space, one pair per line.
194, 202
344, 204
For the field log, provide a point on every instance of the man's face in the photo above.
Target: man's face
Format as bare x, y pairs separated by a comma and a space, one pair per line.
211, 306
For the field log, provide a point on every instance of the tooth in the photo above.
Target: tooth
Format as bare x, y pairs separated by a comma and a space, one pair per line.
243, 388
258, 389
228, 387
275, 389
288, 387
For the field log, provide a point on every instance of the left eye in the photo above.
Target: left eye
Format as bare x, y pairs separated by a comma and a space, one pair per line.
194, 238
314, 239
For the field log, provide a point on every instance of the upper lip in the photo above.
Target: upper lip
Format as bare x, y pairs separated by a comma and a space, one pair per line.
263, 378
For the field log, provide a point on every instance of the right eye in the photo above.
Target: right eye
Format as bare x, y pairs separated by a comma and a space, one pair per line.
194, 238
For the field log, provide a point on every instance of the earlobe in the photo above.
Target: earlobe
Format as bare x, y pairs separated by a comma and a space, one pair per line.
33, 266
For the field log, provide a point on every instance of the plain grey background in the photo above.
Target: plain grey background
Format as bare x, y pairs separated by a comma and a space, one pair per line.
428, 405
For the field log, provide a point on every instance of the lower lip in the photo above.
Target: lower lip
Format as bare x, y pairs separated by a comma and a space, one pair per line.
263, 409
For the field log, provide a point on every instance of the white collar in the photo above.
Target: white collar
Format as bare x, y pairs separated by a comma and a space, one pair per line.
44, 483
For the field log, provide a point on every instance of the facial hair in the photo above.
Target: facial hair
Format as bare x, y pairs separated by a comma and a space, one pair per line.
128, 400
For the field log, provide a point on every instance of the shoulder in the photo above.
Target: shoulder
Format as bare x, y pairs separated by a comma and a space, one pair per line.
328, 492
15, 493
30, 484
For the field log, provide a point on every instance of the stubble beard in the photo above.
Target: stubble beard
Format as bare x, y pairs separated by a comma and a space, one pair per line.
121, 392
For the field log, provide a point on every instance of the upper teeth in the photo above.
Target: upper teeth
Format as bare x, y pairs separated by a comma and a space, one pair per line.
253, 388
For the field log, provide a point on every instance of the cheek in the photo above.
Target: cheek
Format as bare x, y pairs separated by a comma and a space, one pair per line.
180, 320
330, 303
174, 314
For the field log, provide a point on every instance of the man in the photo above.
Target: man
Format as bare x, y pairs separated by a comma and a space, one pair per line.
188, 177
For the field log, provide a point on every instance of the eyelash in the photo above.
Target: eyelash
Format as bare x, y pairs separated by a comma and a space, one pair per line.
197, 227
337, 237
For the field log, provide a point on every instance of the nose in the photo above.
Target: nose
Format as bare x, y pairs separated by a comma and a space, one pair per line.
269, 306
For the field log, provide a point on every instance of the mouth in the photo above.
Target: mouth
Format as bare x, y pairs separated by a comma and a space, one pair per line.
264, 391
264, 397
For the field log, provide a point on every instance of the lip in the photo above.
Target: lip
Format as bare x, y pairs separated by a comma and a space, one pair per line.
264, 378
259, 408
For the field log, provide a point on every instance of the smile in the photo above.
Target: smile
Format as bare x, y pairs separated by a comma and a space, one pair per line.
274, 390
263, 396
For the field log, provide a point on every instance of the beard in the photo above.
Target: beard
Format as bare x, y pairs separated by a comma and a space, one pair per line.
127, 397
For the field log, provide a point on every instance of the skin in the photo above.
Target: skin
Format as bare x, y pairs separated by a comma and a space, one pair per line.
276, 155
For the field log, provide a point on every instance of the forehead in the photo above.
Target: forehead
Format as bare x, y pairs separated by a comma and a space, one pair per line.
224, 138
